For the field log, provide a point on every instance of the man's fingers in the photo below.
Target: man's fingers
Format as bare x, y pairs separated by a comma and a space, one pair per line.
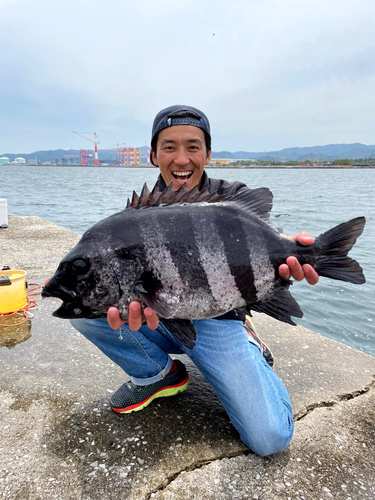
284, 271
113, 318
292, 269
151, 318
312, 277
295, 268
135, 316
304, 239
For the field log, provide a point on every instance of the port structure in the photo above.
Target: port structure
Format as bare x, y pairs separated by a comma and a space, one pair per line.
84, 153
148, 154
126, 155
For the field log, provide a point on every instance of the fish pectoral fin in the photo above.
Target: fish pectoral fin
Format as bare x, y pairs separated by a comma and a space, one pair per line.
161, 308
146, 284
182, 329
146, 287
281, 306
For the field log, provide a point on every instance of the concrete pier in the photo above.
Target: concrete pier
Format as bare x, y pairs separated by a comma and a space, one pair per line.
59, 438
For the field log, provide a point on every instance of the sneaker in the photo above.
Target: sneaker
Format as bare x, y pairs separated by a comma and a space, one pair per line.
254, 339
131, 397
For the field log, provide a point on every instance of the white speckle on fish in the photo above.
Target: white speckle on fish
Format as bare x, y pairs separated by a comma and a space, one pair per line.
263, 270
159, 257
211, 248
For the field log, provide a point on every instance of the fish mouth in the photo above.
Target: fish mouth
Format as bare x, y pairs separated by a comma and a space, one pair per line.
182, 176
71, 307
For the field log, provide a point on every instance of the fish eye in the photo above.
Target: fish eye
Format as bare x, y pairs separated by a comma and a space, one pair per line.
80, 266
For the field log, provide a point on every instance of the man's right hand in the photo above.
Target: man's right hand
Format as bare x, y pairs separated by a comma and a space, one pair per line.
135, 319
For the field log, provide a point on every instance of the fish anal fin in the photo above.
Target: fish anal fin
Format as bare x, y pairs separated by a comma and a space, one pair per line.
281, 306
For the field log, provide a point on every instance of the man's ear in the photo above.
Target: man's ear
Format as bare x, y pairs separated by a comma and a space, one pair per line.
208, 158
154, 157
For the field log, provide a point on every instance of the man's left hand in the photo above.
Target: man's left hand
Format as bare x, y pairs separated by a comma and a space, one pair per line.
293, 268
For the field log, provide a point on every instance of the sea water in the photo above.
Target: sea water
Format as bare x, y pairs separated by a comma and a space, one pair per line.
311, 200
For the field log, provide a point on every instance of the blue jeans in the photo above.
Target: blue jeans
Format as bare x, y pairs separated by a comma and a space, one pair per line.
254, 397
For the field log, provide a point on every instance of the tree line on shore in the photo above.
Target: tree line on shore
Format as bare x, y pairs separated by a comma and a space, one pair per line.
340, 161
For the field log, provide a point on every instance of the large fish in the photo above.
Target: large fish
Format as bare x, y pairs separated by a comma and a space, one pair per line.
194, 255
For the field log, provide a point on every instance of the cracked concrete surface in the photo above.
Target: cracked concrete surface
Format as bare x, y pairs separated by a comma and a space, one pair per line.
59, 438
332, 455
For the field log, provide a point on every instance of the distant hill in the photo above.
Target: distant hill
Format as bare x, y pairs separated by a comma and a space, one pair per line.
315, 153
52, 155
223, 155
315, 158
43, 156
328, 152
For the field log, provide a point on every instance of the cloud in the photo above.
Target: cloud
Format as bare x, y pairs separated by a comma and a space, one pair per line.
269, 74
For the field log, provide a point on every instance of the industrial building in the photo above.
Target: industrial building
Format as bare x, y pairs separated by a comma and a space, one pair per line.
19, 161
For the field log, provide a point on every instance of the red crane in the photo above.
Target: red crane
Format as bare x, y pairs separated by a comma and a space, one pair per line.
148, 154
95, 141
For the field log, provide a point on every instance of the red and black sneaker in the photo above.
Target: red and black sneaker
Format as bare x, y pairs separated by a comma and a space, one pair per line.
254, 339
131, 397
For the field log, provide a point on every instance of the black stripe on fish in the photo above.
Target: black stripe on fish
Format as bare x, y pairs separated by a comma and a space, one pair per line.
233, 237
186, 256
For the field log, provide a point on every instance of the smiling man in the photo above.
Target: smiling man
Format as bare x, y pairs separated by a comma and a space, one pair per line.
181, 146
227, 351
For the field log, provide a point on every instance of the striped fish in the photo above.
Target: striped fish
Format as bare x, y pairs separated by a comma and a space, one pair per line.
194, 255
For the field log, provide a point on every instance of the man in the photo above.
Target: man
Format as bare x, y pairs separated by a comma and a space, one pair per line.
232, 358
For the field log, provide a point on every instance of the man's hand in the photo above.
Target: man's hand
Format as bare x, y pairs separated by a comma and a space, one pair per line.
293, 268
135, 319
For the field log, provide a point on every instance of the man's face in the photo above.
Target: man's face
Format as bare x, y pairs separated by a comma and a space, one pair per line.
181, 155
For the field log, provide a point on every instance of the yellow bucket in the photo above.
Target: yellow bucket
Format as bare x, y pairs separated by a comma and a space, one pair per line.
12, 290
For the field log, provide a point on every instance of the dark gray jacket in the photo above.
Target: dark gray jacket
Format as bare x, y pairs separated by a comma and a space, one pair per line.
219, 185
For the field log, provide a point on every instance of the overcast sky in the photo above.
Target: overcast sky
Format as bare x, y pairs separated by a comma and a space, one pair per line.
269, 74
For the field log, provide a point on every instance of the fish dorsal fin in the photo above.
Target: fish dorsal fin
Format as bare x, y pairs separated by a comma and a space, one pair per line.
155, 195
135, 199
258, 201
169, 196
145, 196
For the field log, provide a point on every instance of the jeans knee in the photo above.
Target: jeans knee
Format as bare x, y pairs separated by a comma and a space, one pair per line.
271, 439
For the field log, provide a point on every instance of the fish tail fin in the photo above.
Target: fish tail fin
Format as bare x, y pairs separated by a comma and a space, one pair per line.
334, 246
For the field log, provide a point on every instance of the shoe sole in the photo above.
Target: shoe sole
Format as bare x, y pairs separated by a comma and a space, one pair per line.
170, 390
